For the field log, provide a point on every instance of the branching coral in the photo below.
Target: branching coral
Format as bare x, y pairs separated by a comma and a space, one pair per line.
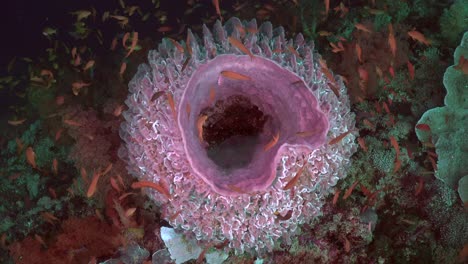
240, 141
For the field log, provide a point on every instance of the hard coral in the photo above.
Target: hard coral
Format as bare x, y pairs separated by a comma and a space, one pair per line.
228, 133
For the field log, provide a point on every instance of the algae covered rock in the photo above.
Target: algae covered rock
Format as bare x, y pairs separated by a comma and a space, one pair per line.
449, 124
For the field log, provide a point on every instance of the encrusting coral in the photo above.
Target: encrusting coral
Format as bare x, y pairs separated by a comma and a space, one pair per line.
243, 135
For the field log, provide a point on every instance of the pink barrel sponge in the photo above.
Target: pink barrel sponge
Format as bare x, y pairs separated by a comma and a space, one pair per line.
236, 126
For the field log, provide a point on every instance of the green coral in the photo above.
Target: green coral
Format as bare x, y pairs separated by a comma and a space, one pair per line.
381, 21
24, 189
454, 21
448, 124
399, 10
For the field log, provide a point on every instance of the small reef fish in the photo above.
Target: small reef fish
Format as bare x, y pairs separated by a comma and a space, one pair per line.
76, 86
71, 122
81, 14
123, 67
272, 142
336, 197
294, 51
113, 44
156, 95
125, 38
134, 43
327, 6
177, 45
418, 36
423, 127
212, 95
114, 184
170, 100
218, 10
362, 143
337, 48
394, 143
349, 191
31, 157
329, 76
419, 187
92, 187
89, 65
295, 179
200, 122
236, 43
462, 65
324, 33
155, 186
16, 122
235, 76
118, 110
358, 52
55, 166
287, 216
339, 138
391, 40
362, 27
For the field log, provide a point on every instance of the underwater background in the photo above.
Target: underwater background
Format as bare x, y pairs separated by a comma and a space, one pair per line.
68, 195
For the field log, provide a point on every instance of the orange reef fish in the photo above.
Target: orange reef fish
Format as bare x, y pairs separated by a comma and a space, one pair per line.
171, 102
88, 65
362, 27
236, 43
362, 143
295, 179
31, 157
272, 142
339, 138
55, 166
200, 122
462, 65
349, 191
329, 76
92, 187
327, 6
418, 36
423, 127
218, 10
156, 186
16, 122
123, 67
337, 48
391, 40
358, 52
177, 45
76, 86
134, 43
235, 76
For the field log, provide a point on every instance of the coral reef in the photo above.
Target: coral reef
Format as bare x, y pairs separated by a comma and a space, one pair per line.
445, 126
162, 146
